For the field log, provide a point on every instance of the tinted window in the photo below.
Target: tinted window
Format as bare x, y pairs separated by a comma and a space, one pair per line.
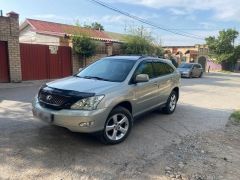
145, 68
162, 69
115, 70
198, 66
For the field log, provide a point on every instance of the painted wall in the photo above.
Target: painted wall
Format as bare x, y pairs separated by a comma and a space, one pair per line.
211, 66
27, 35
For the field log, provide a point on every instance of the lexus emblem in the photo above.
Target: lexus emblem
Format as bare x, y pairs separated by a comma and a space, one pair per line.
49, 97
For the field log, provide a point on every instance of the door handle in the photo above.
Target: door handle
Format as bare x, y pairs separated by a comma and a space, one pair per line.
156, 84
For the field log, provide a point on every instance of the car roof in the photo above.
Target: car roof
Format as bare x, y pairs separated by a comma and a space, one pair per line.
136, 57
133, 57
190, 63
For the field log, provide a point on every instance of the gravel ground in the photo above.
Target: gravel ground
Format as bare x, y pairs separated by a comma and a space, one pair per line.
213, 155
192, 141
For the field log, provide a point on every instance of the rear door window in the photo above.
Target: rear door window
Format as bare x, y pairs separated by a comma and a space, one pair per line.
161, 69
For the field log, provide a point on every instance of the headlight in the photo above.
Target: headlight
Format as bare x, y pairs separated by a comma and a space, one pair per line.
90, 103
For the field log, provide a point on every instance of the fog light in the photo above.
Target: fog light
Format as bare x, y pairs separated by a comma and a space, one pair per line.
86, 124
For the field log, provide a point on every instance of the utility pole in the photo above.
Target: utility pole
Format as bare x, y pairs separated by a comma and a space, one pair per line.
141, 31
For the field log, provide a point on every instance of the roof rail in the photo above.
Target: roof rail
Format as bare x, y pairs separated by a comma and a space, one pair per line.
143, 56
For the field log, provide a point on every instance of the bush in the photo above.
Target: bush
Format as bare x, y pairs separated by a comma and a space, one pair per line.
236, 116
138, 45
84, 46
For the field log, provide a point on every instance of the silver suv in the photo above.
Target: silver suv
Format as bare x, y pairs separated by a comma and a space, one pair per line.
107, 95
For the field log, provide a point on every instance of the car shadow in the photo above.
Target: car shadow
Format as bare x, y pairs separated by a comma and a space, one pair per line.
28, 144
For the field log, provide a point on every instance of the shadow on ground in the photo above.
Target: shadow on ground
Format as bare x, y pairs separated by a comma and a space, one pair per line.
217, 80
30, 148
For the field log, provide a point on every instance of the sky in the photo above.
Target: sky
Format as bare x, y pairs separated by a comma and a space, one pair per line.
201, 18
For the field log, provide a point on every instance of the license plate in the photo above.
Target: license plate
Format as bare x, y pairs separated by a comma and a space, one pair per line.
44, 116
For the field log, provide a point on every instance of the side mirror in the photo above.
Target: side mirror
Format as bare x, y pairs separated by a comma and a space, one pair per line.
141, 78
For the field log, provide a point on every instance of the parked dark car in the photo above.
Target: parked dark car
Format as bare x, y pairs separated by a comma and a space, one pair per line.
190, 70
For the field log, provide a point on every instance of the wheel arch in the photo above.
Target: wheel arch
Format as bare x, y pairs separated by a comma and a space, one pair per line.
176, 89
125, 104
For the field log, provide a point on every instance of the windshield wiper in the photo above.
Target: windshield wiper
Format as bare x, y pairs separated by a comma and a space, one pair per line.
95, 77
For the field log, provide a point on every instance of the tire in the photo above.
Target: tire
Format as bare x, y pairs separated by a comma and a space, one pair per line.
201, 75
171, 103
190, 76
114, 131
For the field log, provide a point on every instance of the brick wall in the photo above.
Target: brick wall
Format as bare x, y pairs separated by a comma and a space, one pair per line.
9, 31
78, 62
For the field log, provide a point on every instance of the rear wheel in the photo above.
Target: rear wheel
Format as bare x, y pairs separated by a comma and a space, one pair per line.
171, 103
117, 126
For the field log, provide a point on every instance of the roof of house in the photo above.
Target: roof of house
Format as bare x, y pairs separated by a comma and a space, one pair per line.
191, 52
57, 29
117, 36
179, 46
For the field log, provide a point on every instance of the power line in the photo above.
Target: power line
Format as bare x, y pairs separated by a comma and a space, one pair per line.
144, 21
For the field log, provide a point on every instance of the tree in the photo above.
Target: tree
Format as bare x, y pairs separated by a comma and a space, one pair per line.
95, 25
84, 46
77, 23
136, 45
158, 51
141, 46
222, 47
140, 42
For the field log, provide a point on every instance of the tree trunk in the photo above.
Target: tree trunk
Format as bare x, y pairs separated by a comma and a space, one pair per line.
84, 60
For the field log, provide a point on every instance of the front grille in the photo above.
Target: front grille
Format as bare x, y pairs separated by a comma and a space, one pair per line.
52, 99
58, 99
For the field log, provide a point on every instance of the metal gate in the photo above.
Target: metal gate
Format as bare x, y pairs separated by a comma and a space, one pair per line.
45, 62
4, 68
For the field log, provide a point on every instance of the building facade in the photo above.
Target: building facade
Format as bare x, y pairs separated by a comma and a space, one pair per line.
197, 53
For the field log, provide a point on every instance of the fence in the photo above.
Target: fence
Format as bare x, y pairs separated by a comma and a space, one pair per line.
45, 62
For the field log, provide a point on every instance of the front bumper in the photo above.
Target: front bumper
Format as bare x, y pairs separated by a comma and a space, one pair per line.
184, 74
71, 119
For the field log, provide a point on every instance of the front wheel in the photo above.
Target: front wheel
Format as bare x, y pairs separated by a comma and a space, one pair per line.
171, 103
190, 75
117, 126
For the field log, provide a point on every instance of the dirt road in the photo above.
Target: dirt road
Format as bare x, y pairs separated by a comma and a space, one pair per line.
30, 149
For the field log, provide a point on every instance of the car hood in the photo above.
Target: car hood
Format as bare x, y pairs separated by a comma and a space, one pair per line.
82, 85
183, 69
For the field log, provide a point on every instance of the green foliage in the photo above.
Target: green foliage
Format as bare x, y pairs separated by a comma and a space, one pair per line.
141, 42
95, 25
222, 47
83, 46
159, 52
236, 116
138, 45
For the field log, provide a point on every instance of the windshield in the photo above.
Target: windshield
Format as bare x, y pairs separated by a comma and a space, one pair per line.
115, 70
185, 65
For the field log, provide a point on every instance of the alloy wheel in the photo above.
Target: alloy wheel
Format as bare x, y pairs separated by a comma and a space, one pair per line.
117, 127
173, 102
